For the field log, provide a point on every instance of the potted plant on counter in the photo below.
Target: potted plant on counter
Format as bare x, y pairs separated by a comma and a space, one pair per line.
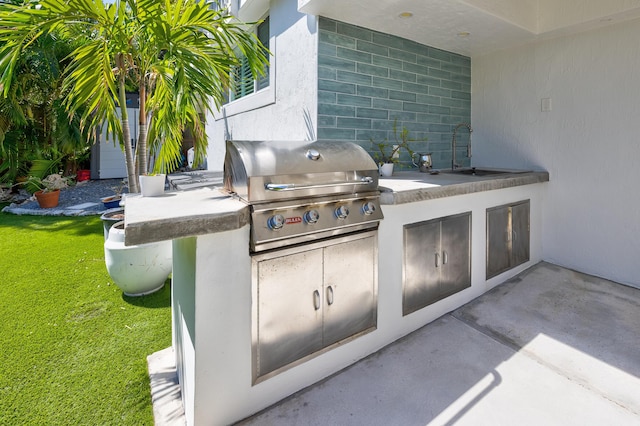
386, 153
386, 156
48, 189
152, 184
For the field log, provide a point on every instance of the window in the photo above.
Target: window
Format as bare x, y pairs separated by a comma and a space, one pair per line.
243, 83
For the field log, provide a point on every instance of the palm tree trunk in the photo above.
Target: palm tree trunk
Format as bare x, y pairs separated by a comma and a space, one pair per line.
126, 131
143, 157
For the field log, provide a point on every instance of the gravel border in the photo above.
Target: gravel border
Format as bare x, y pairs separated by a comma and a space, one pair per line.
82, 199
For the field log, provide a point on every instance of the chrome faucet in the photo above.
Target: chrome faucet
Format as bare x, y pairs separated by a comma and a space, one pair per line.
454, 165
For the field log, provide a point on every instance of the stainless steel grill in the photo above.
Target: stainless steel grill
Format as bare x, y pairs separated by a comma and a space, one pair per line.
301, 191
314, 246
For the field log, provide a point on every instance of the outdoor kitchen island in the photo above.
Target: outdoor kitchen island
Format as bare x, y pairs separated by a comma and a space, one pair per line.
212, 293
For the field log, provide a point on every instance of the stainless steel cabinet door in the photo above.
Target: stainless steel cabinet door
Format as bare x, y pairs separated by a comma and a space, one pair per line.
349, 288
498, 240
290, 299
508, 237
421, 268
520, 233
437, 260
455, 273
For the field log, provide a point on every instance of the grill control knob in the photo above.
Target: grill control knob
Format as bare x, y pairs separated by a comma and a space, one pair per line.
311, 216
342, 212
276, 221
368, 208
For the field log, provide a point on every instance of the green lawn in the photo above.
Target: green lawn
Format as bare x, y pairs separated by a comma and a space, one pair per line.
73, 347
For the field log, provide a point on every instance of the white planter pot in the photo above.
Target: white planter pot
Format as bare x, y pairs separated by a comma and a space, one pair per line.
136, 270
152, 186
386, 169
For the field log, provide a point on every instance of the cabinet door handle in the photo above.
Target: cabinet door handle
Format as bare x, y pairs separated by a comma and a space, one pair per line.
445, 257
515, 236
437, 260
316, 299
329, 295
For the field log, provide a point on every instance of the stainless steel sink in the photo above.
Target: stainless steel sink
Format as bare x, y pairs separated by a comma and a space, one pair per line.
478, 171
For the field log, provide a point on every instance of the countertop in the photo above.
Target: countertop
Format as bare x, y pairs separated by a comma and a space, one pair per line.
208, 210
412, 186
182, 214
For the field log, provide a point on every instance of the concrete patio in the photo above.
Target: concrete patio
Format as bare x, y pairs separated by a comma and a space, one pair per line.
549, 347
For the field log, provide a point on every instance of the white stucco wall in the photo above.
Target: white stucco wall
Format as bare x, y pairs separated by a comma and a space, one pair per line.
291, 113
589, 141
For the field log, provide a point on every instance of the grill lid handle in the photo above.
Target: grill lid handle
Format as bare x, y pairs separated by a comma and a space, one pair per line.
293, 187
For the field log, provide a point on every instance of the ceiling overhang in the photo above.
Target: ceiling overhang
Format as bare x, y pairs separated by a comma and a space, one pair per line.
475, 27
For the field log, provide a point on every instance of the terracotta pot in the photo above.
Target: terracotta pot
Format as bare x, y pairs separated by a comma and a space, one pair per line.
46, 200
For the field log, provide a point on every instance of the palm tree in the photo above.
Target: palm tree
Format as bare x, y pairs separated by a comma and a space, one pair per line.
179, 53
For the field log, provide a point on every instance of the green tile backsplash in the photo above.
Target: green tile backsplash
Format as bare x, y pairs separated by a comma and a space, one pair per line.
368, 80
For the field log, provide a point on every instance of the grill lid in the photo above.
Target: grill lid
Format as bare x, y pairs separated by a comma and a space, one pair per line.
260, 171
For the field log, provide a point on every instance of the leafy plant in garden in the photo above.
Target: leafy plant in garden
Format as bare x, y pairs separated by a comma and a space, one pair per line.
179, 53
50, 183
34, 125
